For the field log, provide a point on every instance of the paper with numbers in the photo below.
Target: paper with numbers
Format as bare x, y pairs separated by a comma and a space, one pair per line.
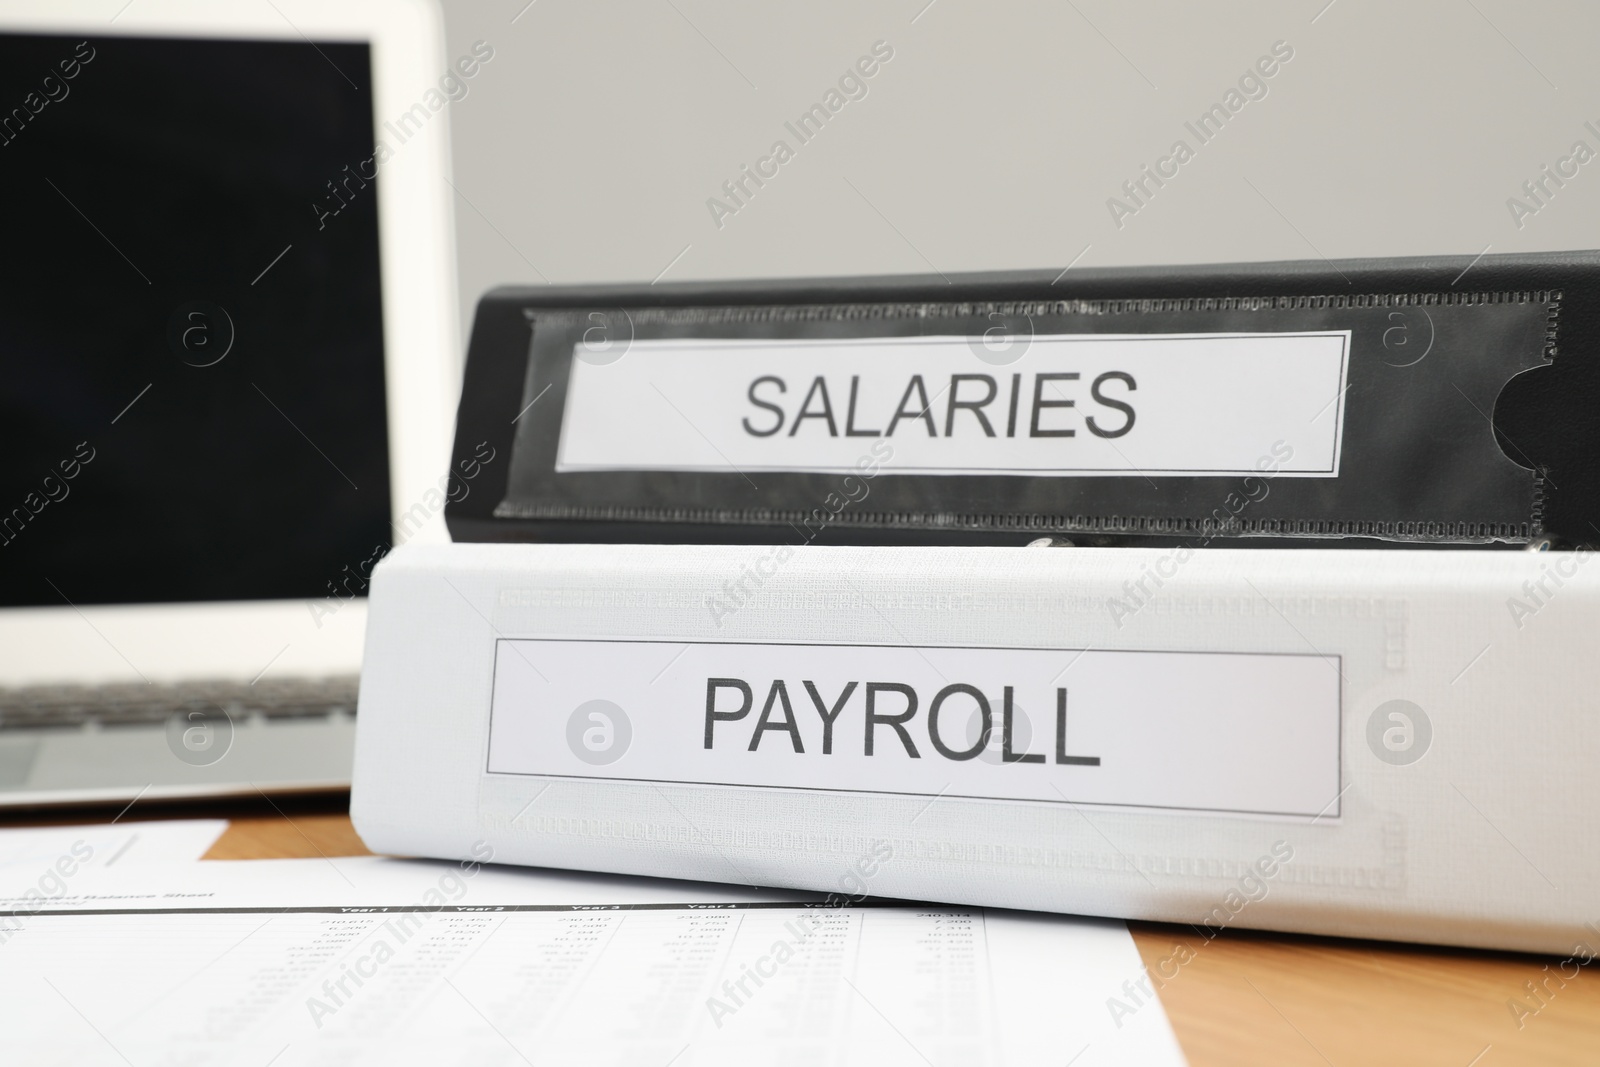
298, 962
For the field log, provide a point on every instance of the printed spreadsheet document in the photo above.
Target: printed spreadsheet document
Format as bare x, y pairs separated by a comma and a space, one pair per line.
298, 962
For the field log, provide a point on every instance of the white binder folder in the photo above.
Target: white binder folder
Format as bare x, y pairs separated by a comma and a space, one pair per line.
1391, 744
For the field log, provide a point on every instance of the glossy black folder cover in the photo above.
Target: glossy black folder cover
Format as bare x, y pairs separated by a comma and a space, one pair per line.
1470, 410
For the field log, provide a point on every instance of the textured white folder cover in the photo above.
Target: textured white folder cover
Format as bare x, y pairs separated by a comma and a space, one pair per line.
1468, 739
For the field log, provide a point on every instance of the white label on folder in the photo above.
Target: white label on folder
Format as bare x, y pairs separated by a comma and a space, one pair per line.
1254, 733
1088, 404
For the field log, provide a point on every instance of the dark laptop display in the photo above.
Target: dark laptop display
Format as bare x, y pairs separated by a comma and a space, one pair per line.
192, 402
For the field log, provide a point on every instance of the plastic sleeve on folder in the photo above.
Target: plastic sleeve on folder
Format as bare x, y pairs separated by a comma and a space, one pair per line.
1364, 403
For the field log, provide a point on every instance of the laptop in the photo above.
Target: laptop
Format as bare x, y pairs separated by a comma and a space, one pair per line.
227, 376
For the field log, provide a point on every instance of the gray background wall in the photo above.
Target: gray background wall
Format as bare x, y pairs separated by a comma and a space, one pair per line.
589, 145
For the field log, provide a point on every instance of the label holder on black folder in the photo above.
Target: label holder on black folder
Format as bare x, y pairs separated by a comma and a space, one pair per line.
1417, 455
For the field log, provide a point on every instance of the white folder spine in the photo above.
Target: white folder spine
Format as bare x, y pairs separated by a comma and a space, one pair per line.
1470, 819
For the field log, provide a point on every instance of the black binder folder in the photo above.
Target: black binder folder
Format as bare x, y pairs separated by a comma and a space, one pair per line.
1424, 401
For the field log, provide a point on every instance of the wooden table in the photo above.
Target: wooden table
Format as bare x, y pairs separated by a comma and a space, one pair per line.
1241, 999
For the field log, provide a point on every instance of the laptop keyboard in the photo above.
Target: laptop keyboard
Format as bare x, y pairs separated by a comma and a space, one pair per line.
112, 706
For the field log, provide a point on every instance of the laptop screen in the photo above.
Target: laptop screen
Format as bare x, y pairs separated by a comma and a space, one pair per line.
192, 402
